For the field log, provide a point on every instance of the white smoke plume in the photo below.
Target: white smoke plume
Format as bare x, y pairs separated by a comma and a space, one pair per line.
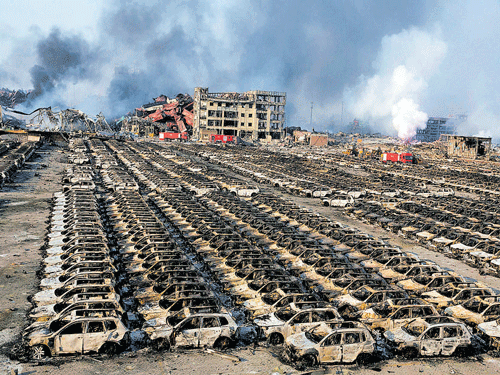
392, 96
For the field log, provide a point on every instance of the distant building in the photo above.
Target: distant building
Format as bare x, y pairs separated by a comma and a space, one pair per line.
256, 115
301, 136
468, 147
318, 140
436, 126
359, 127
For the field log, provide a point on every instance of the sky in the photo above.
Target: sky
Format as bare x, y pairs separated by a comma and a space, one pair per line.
392, 63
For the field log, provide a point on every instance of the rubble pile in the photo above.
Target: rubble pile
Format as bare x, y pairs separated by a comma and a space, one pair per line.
170, 115
10, 98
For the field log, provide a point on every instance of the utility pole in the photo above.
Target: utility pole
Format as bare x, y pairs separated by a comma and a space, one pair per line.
310, 123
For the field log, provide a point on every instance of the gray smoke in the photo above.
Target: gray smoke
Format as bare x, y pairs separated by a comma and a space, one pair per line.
314, 51
61, 60
310, 50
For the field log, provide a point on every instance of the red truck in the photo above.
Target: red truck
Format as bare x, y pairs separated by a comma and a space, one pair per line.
403, 157
406, 157
164, 135
220, 138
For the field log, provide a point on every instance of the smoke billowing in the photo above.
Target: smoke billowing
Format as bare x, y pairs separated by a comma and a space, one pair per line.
393, 95
61, 60
390, 63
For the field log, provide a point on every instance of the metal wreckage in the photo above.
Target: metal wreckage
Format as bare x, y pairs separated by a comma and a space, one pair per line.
163, 115
159, 246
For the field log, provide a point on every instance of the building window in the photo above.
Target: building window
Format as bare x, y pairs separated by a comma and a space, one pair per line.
211, 104
242, 115
249, 115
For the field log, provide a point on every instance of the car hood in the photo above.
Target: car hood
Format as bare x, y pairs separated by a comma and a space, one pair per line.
347, 298
38, 332
268, 320
299, 341
369, 314
398, 335
491, 329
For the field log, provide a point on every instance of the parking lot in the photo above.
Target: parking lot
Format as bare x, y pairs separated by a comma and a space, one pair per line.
290, 260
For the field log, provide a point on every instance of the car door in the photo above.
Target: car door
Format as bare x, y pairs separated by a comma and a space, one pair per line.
330, 349
431, 342
352, 345
70, 339
187, 334
210, 331
95, 336
450, 339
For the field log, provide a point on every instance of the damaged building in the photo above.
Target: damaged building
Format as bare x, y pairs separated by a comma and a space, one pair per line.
437, 126
254, 115
468, 147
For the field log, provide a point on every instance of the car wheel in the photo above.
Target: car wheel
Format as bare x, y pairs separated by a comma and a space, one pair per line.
364, 358
39, 352
309, 360
109, 348
276, 339
161, 344
222, 343
409, 353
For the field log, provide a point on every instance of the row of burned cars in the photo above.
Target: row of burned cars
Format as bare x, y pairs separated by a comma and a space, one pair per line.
437, 278
12, 157
148, 247
471, 236
77, 308
416, 201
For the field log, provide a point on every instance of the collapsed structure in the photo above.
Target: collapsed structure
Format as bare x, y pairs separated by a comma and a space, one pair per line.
162, 115
11, 98
255, 115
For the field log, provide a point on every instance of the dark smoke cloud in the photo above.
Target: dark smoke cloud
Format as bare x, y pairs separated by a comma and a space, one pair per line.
309, 50
42, 81
61, 59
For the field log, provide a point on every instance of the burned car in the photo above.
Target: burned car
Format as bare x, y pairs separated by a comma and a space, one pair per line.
197, 330
430, 336
490, 333
345, 342
277, 326
476, 310
82, 335
389, 316
454, 294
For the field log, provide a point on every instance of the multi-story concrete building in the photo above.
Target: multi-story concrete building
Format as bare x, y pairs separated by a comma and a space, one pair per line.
256, 115
437, 126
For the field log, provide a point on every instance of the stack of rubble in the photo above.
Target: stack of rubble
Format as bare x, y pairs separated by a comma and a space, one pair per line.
170, 115
10, 98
